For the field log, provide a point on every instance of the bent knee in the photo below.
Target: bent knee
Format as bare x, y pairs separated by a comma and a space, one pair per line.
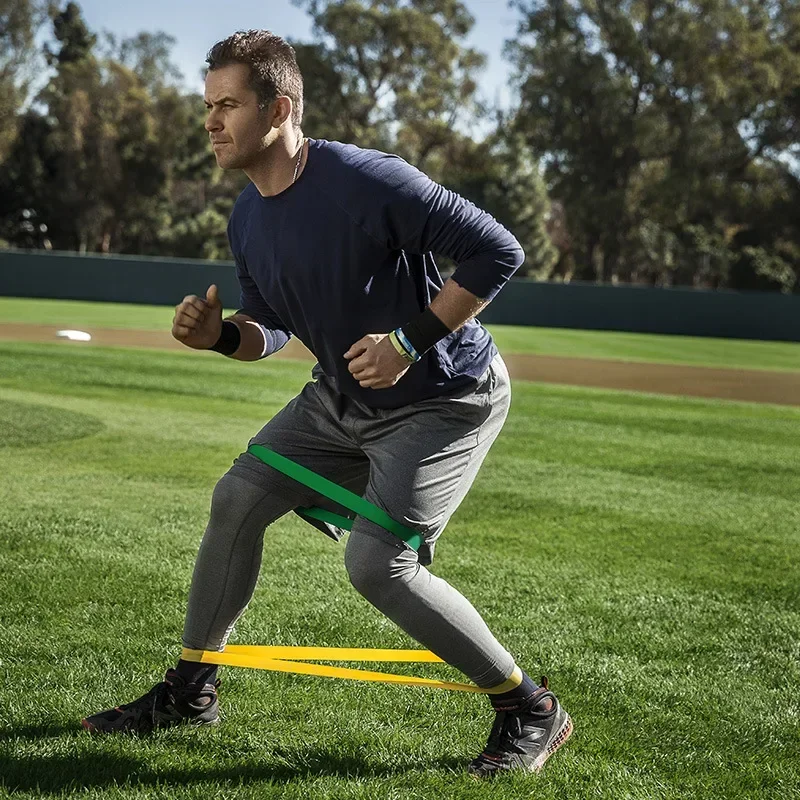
236, 502
230, 492
376, 567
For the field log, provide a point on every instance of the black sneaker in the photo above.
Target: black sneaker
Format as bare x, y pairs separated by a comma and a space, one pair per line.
525, 736
171, 702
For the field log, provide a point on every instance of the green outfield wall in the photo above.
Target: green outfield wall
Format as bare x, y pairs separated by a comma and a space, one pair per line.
164, 281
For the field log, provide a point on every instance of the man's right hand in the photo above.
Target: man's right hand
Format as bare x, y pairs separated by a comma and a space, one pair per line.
198, 321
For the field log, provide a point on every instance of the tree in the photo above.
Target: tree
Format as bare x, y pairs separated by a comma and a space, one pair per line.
148, 56
520, 200
500, 175
24, 181
69, 28
19, 22
114, 157
393, 74
396, 75
654, 117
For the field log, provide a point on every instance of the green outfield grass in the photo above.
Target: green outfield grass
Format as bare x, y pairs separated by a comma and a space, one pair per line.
511, 339
640, 550
74, 313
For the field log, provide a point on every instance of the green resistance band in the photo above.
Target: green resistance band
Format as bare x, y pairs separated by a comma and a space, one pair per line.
338, 494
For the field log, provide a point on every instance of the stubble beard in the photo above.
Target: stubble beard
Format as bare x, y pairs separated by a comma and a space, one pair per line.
239, 160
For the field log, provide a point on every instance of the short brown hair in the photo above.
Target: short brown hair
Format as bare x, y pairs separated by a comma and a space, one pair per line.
273, 66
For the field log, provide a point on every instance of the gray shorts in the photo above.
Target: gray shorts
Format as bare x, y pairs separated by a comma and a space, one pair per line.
417, 462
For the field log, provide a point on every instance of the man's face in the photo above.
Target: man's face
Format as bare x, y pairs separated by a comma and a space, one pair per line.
238, 130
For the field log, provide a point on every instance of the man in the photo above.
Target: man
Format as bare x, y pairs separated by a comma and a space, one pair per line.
333, 245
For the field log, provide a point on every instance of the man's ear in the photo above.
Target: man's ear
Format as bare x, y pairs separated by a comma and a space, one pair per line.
280, 110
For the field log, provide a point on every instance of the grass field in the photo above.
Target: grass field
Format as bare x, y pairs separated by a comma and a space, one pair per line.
642, 551
699, 351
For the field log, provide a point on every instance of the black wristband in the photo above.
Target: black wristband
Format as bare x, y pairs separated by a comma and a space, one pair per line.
425, 330
229, 340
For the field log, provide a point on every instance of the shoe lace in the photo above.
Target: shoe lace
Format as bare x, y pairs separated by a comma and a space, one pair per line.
506, 728
162, 694
159, 695
145, 707
496, 733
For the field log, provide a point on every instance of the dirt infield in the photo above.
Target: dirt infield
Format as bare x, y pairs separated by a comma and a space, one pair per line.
728, 384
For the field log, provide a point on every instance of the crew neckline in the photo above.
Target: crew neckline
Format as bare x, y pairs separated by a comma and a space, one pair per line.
291, 186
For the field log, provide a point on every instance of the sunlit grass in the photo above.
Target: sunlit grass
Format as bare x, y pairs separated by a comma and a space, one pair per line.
641, 551
700, 351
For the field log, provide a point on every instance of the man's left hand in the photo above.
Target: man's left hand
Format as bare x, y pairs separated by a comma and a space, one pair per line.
374, 362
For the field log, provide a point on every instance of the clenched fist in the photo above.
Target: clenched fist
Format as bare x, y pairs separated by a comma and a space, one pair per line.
198, 321
374, 362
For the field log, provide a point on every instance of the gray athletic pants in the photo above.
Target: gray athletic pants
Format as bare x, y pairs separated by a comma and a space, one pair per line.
416, 463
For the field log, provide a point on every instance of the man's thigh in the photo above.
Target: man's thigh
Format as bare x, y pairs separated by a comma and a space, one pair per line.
311, 431
425, 460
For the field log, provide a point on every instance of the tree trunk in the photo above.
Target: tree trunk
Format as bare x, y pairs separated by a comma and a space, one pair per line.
587, 271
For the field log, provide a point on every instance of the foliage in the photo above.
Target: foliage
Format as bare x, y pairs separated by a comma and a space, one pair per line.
651, 141
390, 74
499, 175
92, 167
19, 21
398, 76
665, 127
70, 29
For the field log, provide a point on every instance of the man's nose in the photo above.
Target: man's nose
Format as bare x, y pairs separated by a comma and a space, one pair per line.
212, 122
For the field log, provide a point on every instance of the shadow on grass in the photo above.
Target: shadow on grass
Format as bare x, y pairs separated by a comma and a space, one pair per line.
47, 730
54, 774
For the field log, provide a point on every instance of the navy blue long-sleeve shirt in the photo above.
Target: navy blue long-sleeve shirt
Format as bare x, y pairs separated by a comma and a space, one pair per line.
347, 250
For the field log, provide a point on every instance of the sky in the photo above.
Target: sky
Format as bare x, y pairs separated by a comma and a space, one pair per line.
197, 24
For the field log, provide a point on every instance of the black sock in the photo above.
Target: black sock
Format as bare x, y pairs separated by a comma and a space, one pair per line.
196, 672
509, 701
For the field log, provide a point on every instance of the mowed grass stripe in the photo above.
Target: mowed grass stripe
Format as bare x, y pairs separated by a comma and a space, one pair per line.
698, 351
660, 349
640, 550
74, 313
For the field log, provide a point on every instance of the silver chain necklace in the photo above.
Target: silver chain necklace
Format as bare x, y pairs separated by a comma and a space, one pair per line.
299, 159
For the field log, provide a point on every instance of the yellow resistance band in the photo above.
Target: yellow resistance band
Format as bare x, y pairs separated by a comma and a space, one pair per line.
289, 659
